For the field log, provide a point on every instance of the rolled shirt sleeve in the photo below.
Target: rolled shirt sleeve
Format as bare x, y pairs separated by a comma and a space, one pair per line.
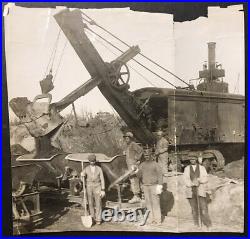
163, 146
160, 175
138, 152
83, 173
203, 175
102, 179
133, 154
186, 177
139, 173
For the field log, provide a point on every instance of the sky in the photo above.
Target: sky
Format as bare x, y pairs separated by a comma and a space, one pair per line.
30, 36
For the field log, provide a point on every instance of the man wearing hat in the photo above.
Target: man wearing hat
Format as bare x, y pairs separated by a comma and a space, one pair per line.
150, 174
95, 185
133, 154
195, 179
161, 151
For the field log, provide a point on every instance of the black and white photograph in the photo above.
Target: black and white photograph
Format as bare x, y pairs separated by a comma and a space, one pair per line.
126, 119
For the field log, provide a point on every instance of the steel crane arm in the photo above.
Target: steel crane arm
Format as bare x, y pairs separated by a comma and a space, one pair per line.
77, 93
73, 27
108, 74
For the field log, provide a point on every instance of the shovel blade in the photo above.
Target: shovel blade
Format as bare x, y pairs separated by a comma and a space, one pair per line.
87, 221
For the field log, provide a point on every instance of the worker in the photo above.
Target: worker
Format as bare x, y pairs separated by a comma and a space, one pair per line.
95, 187
161, 152
150, 174
133, 154
195, 179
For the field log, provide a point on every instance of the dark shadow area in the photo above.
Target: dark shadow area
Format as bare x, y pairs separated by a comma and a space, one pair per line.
126, 194
166, 200
53, 210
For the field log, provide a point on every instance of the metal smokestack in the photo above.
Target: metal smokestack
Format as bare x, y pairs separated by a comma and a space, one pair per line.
211, 55
211, 75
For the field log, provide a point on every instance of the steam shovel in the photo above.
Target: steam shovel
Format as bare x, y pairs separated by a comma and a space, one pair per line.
86, 219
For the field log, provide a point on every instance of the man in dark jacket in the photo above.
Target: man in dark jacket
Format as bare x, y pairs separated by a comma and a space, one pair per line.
161, 152
151, 176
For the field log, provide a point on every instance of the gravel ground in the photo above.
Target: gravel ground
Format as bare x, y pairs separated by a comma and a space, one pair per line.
64, 216
68, 218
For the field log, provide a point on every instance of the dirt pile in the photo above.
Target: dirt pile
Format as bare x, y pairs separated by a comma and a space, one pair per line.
227, 204
100, 134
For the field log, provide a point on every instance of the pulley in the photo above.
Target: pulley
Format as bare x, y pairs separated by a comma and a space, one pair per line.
119, 75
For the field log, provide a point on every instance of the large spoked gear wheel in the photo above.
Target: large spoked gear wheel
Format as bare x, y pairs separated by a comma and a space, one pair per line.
119, 75
213, 160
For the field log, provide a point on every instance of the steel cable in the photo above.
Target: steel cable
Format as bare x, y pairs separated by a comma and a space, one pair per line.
60, 60
142, 76
53, 53
92, 22
132, 58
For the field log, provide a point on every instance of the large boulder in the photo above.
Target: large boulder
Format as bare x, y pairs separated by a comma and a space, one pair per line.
20, 135
235, 169
227, 205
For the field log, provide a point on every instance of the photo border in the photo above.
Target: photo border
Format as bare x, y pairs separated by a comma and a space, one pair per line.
6, 209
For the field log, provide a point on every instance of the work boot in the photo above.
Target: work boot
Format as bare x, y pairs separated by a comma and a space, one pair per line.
149, 221
207, 229
135, 199
156, 223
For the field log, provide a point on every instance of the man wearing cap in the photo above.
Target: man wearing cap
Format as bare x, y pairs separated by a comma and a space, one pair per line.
151, 176
133, 154
161, 151
95, 185
195, 179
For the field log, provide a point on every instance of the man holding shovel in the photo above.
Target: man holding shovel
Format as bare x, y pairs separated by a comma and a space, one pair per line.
195, 179
92, 177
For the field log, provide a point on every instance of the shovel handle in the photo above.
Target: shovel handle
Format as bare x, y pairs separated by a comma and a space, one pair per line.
199, 209
84, 194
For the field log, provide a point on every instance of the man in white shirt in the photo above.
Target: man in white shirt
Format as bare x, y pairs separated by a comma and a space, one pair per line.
195, 179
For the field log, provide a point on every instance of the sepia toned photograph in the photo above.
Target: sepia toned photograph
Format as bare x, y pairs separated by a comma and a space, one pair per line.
123, 119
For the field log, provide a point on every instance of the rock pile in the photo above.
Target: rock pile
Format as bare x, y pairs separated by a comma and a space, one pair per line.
235, 169
226, 201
